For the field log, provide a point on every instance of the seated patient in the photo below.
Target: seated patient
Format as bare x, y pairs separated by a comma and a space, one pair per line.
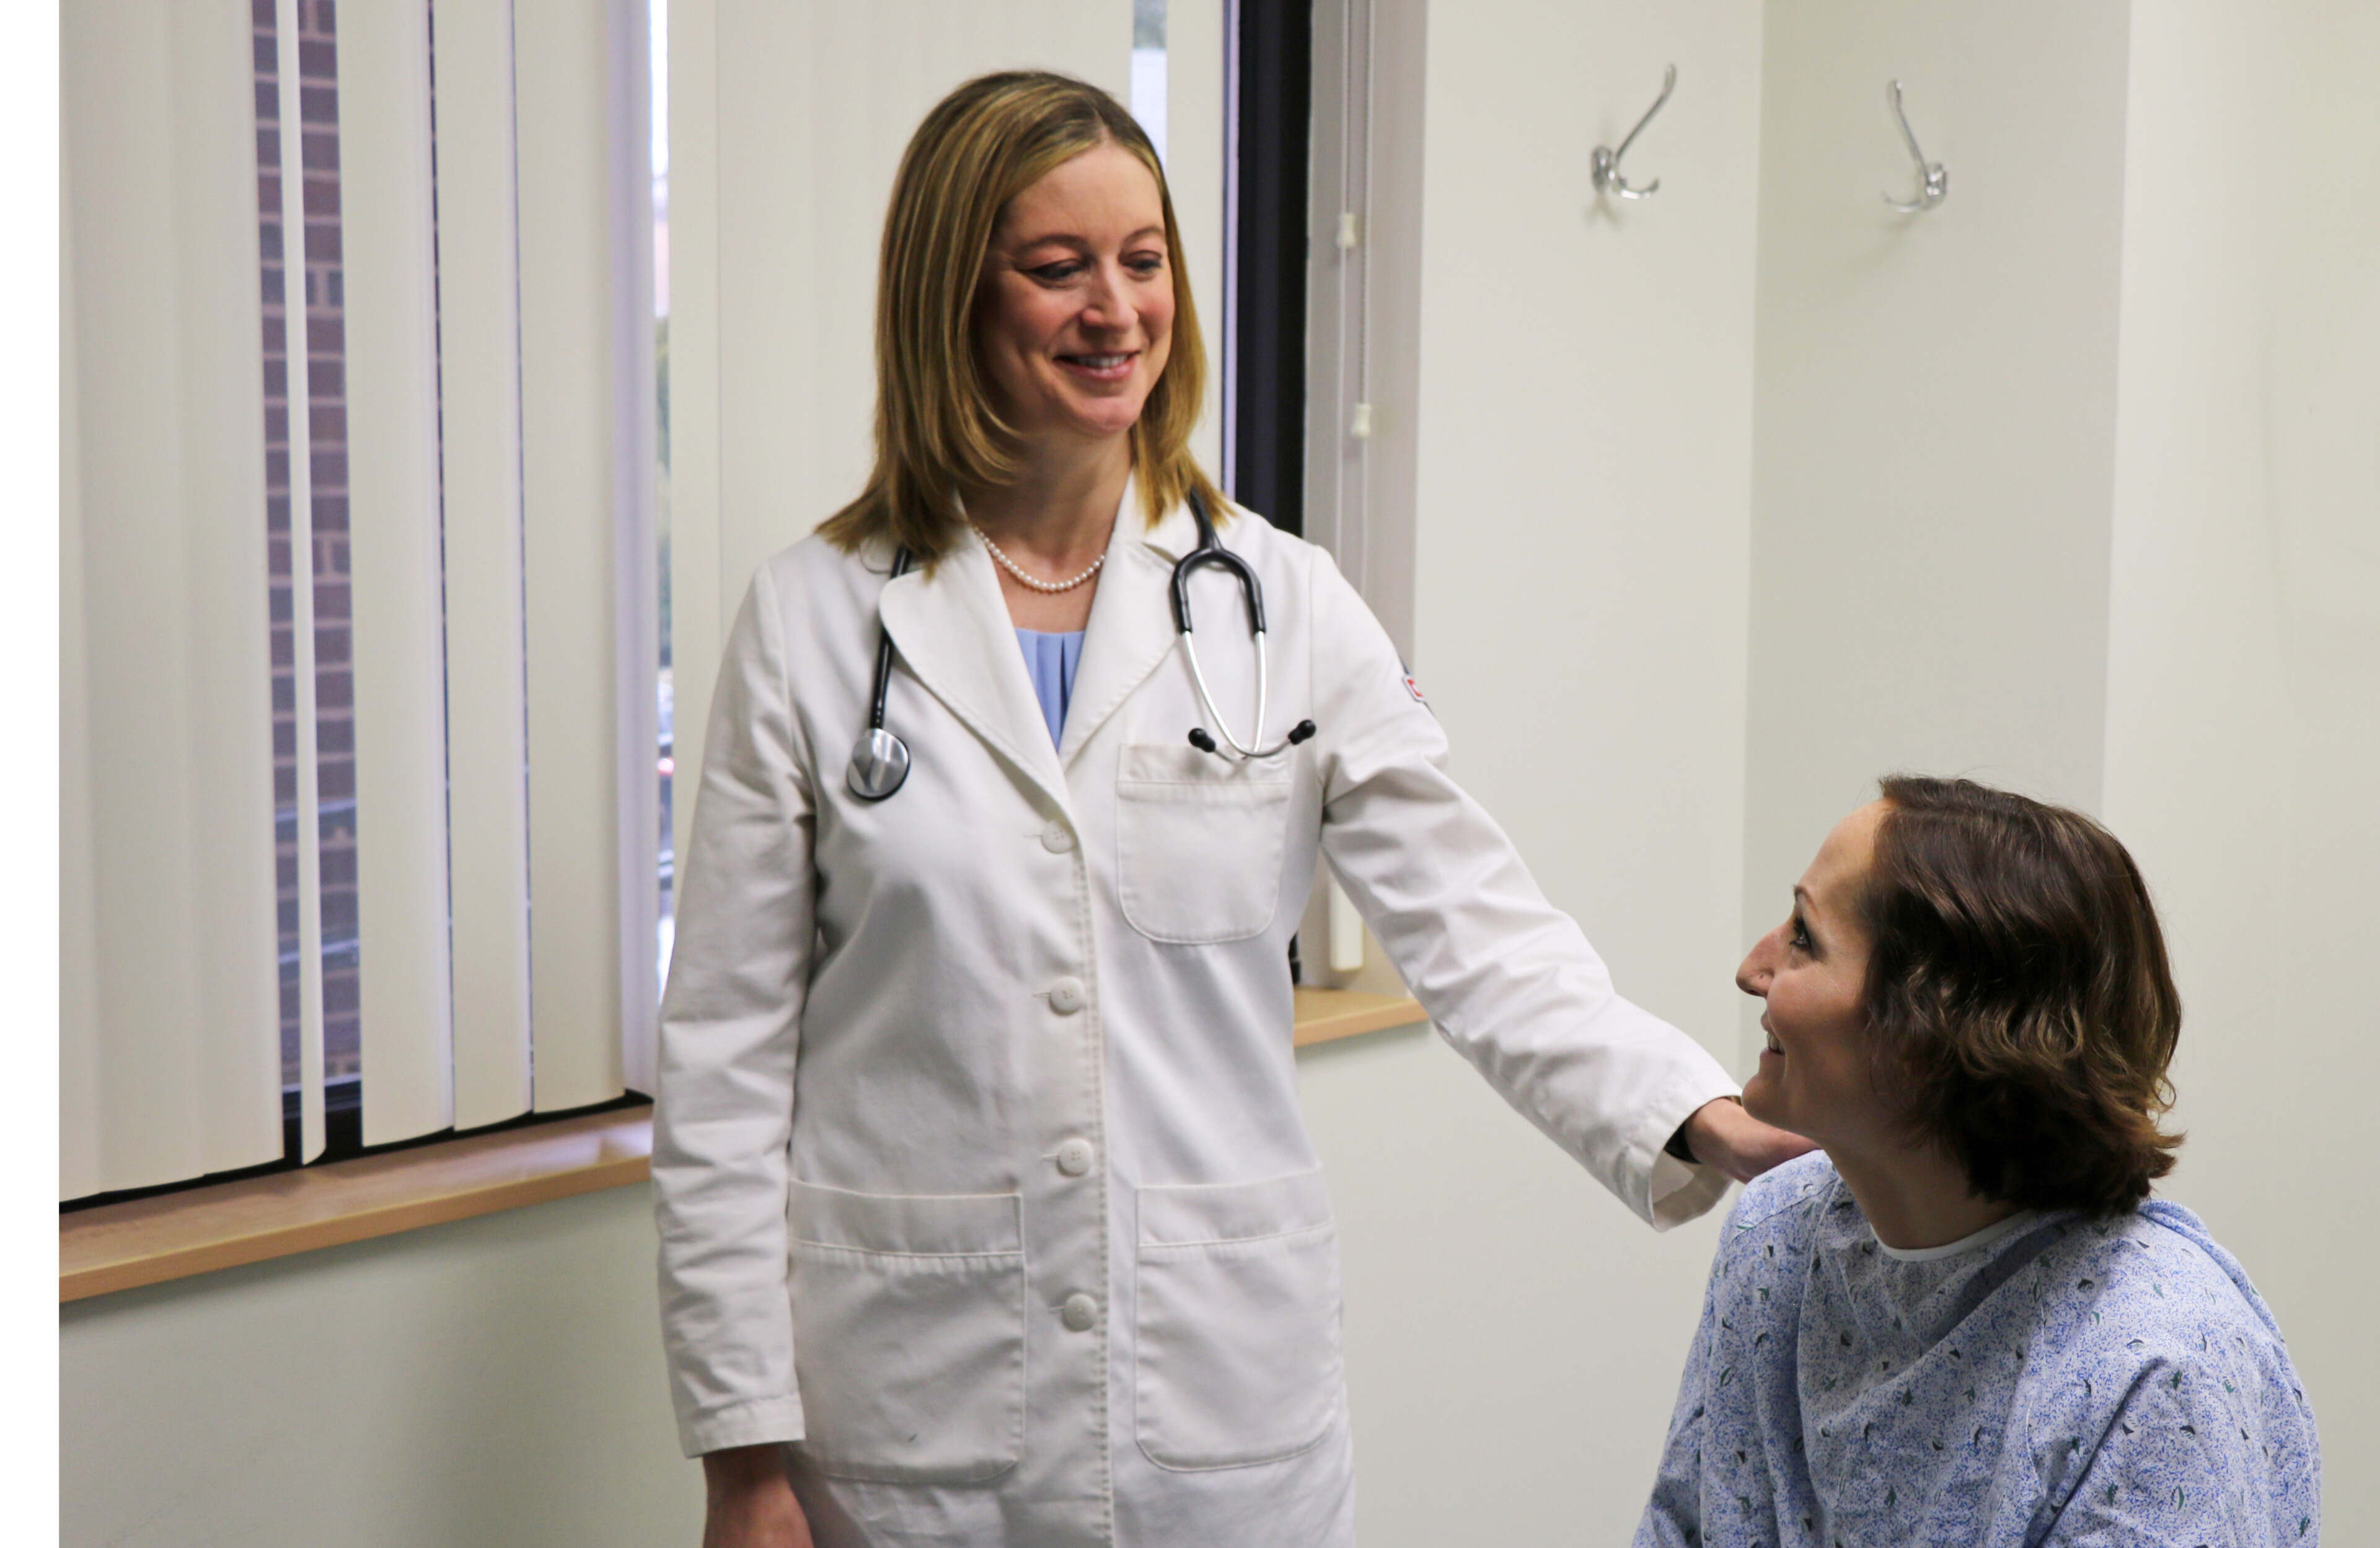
1962, 1320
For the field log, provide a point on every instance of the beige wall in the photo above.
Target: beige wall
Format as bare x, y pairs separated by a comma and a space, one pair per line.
2243, 682
497, 1380
1934, 445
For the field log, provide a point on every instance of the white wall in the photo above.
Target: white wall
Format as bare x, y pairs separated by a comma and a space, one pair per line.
495, 1381
1581, 465
1935, 423
1514, 1338
2244, 681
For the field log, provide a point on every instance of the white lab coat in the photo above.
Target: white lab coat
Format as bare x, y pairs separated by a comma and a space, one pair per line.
979, 1163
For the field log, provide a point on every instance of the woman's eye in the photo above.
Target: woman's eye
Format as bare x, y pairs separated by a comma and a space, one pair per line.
1146, 265
1056, 273
1798, 936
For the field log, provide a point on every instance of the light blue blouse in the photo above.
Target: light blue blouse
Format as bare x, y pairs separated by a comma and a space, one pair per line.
2070, 1382
1051, 659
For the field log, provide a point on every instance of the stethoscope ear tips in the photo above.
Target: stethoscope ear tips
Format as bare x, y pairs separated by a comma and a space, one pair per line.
1301, 731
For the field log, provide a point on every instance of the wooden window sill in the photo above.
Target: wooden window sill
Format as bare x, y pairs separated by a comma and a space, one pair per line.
148, 1241
1328, 1014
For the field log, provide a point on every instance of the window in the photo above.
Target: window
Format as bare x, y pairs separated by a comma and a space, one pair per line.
297, 240
1264, 410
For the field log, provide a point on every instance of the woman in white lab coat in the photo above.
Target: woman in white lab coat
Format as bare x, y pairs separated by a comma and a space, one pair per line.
980, 1167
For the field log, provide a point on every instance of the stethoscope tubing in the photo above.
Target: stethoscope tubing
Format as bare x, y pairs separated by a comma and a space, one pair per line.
1210, 551
883, 686
880, 761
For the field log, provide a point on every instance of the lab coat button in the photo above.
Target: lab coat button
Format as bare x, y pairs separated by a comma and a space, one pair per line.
1079, 1312
1074, 1157
1066, 996
1056, 838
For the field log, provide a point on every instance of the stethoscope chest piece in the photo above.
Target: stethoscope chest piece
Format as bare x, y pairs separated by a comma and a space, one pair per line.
879, 763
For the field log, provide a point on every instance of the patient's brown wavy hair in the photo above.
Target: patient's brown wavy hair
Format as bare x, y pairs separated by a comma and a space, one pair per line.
2018, 991
938, 438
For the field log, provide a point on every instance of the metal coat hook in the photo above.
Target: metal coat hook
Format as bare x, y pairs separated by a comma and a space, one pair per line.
1934, 178
1607, 161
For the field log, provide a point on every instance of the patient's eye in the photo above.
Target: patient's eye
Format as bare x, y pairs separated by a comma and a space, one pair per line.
1798, 935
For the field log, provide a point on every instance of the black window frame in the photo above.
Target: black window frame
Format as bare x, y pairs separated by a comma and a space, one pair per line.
1271, 84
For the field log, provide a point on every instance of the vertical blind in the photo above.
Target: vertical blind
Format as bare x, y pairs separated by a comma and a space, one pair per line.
388, 247
479, 323
585, 186
494, 255
169, 1060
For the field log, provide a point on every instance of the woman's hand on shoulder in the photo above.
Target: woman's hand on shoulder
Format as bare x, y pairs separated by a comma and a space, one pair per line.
748, 1501
1722, 1135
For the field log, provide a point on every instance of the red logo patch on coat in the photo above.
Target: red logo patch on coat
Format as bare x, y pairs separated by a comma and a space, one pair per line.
1415, 688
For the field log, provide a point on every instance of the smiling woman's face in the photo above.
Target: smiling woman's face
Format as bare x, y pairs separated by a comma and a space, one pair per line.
1815, 1076
1076, 307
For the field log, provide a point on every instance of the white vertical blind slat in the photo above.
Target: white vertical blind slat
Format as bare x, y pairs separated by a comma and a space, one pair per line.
697, 585
229, 678
1195, 46
636, 641
82, 1160
579, 522
134, 512
167, 1027
389, 259
478, 291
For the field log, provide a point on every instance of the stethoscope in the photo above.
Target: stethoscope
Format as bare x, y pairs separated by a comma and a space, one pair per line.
881, 760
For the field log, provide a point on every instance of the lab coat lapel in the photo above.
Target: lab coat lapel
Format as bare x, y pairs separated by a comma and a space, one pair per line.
1132, 618
954, 632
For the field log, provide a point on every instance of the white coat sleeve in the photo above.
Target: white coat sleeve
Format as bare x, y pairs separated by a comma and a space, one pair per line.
730, 1032
1509, 979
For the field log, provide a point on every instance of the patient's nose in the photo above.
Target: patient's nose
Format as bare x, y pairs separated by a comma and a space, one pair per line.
1752, 976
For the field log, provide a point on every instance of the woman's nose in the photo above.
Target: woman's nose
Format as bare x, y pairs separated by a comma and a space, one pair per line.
1753, 975
1108, 306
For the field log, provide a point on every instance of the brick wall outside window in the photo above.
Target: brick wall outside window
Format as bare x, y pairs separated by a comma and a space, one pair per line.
326, 419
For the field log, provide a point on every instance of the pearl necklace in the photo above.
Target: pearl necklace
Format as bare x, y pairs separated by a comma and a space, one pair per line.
1024, 579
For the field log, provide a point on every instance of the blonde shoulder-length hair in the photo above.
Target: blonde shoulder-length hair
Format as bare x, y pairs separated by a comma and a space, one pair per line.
938, 438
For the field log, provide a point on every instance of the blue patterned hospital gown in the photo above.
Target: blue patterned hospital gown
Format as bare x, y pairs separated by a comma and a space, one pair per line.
2072, 1381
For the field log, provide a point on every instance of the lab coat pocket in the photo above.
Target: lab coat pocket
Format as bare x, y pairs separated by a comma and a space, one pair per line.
1238, 1322
1199, 843
909, 1334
